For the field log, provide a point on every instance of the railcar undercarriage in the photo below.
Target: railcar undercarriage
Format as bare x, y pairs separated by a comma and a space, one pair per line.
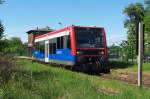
92, 64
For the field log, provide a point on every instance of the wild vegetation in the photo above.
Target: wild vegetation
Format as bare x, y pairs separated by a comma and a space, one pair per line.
24, 79
142, 12
32, 80
7, 62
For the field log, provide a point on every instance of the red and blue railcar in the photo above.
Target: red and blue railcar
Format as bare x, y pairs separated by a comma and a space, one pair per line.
79, 47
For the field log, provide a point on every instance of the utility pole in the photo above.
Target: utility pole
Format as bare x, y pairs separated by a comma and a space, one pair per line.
140, 44
140, 54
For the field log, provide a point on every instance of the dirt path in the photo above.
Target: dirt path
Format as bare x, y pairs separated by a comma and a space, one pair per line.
130, 78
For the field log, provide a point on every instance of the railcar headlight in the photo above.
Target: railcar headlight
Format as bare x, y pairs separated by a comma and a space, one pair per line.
101, 52
78, 52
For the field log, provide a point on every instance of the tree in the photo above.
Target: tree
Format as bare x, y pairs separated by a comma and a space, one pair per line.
147, 27
114, 52
1, 31
14, 45
125, 50
133, 12
147, 3
1, 26
1, 1
2, 43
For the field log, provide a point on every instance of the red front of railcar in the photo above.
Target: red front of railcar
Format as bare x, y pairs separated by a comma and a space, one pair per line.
89, 46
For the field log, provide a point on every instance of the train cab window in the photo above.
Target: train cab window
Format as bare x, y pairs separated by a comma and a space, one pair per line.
89, 38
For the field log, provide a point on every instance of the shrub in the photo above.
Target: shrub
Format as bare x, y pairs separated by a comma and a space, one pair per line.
6, 64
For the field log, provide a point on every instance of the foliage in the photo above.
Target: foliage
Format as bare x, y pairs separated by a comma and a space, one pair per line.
6, 65
3, 45
147, 3
1, 26
125, 50
37, 81
119, 64
1, 31
147, 32
13, 46
147, 27
114, 52
2, 1
133, 12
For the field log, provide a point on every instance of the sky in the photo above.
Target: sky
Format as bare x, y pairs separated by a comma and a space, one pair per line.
19, 16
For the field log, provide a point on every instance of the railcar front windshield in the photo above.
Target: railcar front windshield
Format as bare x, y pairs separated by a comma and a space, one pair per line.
89, 38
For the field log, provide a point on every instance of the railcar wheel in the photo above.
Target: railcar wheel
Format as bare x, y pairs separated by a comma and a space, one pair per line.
103, 65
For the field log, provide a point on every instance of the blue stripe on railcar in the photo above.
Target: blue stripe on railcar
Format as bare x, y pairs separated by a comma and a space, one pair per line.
61, 54
38, 54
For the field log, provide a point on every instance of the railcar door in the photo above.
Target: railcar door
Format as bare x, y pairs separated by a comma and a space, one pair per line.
46, 51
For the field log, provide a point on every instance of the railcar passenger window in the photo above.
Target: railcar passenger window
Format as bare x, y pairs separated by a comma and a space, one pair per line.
52, 46
42, 48
60, 42
68, 42
37, 46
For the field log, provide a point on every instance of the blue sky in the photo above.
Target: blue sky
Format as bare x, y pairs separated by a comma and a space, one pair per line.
19, 16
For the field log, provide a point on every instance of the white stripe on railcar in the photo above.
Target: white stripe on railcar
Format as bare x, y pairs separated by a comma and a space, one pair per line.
52, 36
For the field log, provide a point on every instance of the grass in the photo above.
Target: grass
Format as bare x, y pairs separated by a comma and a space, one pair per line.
31, 80
129, 67
146, 67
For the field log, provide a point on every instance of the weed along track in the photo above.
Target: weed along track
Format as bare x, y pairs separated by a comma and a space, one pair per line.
130, 78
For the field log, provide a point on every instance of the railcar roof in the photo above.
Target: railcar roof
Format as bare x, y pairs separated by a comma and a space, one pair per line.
66, 28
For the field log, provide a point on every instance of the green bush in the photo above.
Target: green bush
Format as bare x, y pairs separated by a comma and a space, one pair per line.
6, 64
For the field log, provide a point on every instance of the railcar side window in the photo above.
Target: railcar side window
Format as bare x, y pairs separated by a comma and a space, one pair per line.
60, 42
52, 46
68, 42
37, 46
42, 48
